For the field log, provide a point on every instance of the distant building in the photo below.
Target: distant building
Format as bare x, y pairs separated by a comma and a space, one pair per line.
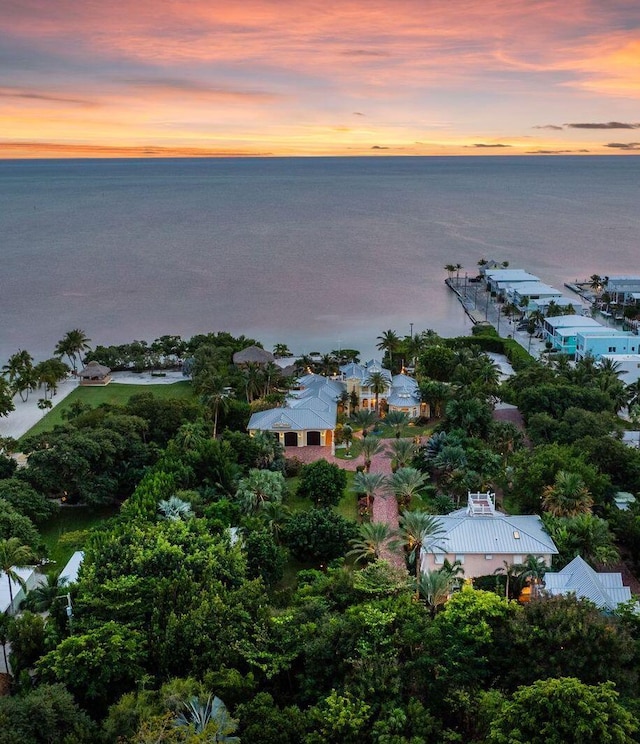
605, 590
623, 290
252, 355
483, 538
95, 374
606, 342
562, 331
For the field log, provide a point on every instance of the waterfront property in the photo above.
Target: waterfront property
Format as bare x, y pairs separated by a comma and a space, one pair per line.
562, 331
483, 539
499, 280
404, 396
597, 343
309, 417
357, 380
623, 290
605, 590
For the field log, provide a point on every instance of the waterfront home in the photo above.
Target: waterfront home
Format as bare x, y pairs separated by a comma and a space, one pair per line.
356, 378
562, 331
483, 539
628, 366
605, 590
605, 341
498, 279
308, 418
623, 290
404, 396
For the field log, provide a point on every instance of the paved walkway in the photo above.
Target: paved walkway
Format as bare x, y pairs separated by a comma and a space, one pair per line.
385, 506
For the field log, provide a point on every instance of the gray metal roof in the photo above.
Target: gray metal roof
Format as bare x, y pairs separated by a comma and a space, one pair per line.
291, 419
494, 534
605, 590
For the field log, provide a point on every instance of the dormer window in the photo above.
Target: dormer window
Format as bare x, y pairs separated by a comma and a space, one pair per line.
516, 535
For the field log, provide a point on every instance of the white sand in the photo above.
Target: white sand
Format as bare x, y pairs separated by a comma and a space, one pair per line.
28, 414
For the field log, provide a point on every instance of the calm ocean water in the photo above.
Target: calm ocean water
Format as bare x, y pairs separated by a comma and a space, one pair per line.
317, 253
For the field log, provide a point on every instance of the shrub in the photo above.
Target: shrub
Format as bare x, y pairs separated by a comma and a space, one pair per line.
322, 482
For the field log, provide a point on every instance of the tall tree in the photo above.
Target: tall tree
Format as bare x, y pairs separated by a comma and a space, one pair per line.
396, 420
72, 345
372, 539
369, 484
378, 385
416, 528
13, 554
406, 483
390, 343
568, 496
370, 447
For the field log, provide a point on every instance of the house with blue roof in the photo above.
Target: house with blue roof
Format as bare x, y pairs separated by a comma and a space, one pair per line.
605, 590
483, 538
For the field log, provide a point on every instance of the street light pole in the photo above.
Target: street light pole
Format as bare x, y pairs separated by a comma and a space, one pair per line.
410, 330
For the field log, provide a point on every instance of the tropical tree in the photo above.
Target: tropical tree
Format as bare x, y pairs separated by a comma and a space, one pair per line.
371, 541
402, 452
369, 484
390, 343
365, 419
396, 420
209, 719
532, 571
511, 571
74, 343
13, 554
21, 374
458, 267
568, 496
214, 394
416, 529
274, 515
190, 436
450, 268
406, 483
378, 384
42, 597
596, 283
369, 449
6, 398
435, 587
259, 487
281, 351
347, 438
175, 509
50, 373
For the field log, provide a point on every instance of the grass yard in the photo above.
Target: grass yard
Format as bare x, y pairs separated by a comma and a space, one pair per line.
66, 532
346, 507
114, 394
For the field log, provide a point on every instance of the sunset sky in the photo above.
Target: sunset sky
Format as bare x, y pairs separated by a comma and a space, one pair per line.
305, 77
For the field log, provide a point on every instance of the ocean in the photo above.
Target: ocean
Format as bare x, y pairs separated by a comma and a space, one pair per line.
317, 253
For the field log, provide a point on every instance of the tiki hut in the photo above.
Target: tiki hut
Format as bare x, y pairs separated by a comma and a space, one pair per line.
253, 355
95, 374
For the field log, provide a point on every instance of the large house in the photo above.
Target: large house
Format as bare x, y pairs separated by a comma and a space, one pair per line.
483, 539
308, 419
356, 378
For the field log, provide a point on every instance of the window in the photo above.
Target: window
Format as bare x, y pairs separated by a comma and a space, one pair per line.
488, 557
612, 350
438, 558
517, 559
460, 557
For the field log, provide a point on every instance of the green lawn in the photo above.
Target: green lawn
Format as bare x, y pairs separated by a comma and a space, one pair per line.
347, 506
71, 519
114, 393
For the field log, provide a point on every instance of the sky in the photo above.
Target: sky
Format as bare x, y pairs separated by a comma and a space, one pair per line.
89, 78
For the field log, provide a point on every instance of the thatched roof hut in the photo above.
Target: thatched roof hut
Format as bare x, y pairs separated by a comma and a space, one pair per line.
95, 374
253, 355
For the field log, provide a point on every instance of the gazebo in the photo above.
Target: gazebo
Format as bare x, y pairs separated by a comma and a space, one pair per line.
95, 374
253, 355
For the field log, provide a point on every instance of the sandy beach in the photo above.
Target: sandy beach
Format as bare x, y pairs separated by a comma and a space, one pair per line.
27, 414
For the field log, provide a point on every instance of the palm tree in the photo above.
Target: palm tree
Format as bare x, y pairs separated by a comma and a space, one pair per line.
396, 420
210, 718
458, 268
435, 587
511, 571
402, 451
532, 571
365, 419
14, 555
389, 342
369, 484
378, 384
416, 529
281, 351
568, 496
215, 396
369, 448
275, 516
450, 268
406, 483
72, 346
595, 283
252, 373
174, 509
370, 542
42, 597
190, 436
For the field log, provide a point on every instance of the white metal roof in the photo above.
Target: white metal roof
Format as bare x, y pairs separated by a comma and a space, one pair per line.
73, 566
494, 534
573, 321
25, 573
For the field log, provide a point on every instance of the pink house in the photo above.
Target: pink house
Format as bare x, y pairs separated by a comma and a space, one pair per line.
482, 538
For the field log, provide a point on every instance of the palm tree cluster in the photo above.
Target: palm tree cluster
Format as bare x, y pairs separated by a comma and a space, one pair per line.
74, 343
25, 377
